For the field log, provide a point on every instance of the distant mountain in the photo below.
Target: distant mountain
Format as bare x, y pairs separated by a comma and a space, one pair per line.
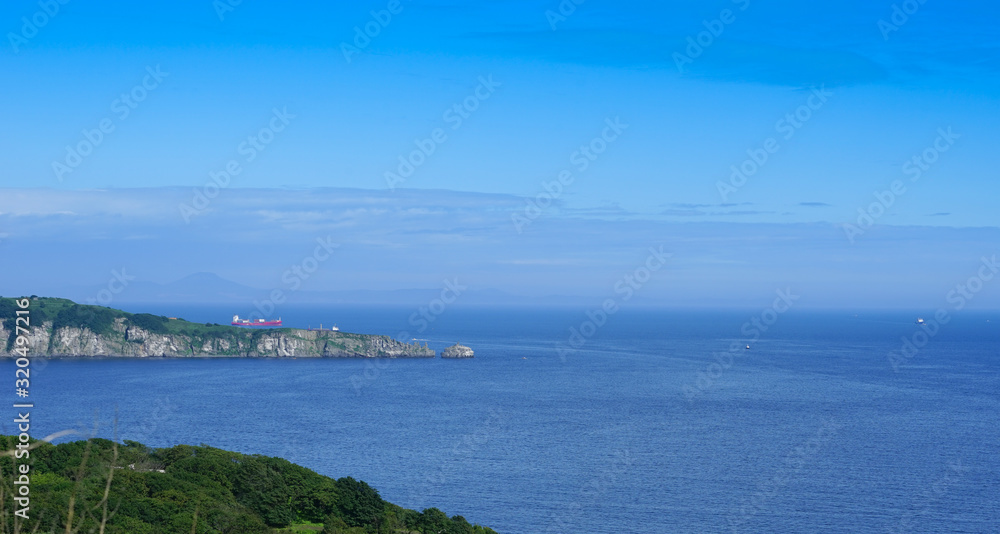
198, 288
209, 288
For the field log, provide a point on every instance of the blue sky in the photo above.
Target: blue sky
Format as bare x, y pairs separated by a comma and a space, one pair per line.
836, 102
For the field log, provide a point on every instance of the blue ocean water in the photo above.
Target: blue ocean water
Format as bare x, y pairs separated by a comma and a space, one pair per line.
653, 425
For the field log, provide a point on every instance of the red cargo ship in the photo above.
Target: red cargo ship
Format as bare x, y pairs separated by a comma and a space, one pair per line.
259, 322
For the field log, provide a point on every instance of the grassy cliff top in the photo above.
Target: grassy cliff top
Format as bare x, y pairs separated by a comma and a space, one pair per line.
144, 334
100, 319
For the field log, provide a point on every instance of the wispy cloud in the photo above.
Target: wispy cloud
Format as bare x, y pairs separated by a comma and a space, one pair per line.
599, 211
678, 212
710, 211
414, 238
785, 64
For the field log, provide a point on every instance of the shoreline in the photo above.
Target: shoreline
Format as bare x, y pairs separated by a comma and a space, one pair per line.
8, 357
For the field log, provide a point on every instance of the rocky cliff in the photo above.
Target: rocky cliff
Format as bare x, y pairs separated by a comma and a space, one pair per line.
457, 351
129, 340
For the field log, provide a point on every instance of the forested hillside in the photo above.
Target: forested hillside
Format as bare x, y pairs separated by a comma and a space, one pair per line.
103, 486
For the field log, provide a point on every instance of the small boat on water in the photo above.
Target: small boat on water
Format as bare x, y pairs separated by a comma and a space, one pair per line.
920, 321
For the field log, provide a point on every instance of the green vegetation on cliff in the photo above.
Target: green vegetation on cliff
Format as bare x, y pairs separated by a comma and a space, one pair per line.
63, 313
100, 320
142, 334
132, 489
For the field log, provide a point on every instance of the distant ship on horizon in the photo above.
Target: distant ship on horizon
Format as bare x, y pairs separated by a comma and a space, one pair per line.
259, 322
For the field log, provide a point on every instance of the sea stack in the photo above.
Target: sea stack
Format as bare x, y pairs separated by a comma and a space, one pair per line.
457, 350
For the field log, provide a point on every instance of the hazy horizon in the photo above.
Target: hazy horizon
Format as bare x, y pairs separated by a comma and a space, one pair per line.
524, 148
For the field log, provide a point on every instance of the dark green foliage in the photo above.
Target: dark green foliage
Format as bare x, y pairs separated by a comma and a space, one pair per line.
7, 307
156, 324
202, 490
334, 525
8, 325
8, 314
119, 328
94, 318
101, 321
262, 489
359, 503
433, 520
42, 309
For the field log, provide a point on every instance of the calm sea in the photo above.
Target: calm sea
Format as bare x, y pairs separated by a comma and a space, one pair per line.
655, 424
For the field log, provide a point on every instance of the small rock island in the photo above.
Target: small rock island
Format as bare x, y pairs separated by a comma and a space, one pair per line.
457, 350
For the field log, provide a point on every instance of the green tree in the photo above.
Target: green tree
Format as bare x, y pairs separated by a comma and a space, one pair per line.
263, 490
359, 504
434, 521
202, 490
